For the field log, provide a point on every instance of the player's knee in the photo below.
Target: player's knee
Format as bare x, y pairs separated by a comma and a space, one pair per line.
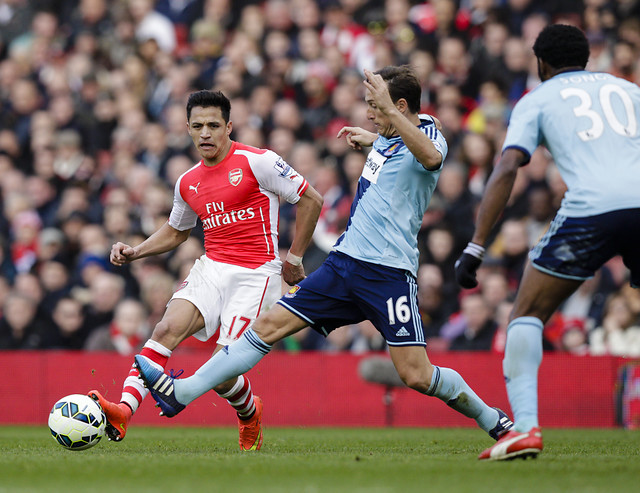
168, 332
225, 387
276, 324
415, 379
266, 326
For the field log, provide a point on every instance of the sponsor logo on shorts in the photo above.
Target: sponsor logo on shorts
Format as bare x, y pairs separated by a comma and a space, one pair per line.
292, 292
235, 177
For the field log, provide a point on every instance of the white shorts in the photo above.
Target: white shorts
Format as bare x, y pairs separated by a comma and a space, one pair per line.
229, 297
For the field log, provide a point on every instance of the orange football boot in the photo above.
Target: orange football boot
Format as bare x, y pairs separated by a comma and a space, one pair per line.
118, 416
251, 429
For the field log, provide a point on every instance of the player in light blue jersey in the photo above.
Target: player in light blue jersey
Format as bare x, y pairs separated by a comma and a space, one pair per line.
371, 274
392, 196
589, 123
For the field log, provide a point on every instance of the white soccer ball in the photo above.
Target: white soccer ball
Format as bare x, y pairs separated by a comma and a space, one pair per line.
77, 422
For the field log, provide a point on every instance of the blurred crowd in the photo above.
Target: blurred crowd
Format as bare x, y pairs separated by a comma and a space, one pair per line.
93, 137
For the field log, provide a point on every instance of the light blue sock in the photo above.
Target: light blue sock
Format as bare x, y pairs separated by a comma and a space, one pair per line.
233, 360
449, 386
522, 357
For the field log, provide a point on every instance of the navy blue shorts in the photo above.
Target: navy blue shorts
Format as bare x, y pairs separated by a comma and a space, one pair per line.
345, 291
576, 247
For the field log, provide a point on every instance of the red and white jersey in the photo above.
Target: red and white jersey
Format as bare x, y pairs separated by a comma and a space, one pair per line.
238, 203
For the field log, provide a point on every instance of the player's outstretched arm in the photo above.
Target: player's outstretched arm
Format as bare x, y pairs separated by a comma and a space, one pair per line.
163, 240
493, 203
307, 213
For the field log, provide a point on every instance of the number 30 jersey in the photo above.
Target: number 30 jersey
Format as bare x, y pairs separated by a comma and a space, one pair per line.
237, 201
590, 122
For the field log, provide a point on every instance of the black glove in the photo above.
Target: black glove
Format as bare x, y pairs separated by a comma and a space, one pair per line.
467, 265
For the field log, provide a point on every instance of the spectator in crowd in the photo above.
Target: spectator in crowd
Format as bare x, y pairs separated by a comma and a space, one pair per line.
619, 334
478, 328
155, 291
7, 269
510, 249
588, 301
126, 333
540, 207
104, 293
574, 339
335, 209
501, 317
494, 288
20, 326
30, 285
440, 249
151, 25
633, 298
56, 283
25, 227
69, 330
434, 302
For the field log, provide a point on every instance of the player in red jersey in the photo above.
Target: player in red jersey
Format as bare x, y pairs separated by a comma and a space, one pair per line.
234, 191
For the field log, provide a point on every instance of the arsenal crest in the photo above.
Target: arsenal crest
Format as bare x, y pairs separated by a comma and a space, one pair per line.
235, 177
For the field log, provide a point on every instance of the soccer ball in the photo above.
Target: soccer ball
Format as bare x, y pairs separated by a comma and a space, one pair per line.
77, 422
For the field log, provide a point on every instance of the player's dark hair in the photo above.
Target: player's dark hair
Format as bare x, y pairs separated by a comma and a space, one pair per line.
562, 46
402, 83
205, 99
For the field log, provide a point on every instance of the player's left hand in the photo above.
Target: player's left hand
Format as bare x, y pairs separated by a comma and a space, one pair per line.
467, 265
357, 137
292, 274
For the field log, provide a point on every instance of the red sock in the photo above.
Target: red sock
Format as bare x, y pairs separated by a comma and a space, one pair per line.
134, 391
240, 397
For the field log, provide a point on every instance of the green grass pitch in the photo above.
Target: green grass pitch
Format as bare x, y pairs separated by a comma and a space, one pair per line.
327, 460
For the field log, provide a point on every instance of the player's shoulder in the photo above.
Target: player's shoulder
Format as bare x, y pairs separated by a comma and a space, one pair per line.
427, 120
430, 125
531, 100
244, 148
195, 169
626, 84
259, 159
